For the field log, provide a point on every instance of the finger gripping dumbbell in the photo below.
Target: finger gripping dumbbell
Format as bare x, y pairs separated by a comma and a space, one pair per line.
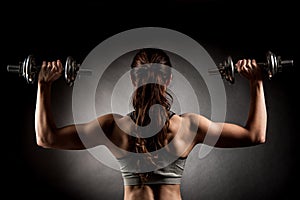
273, 65
28, 69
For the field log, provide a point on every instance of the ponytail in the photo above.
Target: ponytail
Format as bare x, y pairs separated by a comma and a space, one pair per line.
151, 70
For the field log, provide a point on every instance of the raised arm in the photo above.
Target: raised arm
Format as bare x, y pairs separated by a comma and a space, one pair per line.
48, 135
230, 135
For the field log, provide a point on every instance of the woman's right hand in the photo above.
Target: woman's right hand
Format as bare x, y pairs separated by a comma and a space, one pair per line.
50, 71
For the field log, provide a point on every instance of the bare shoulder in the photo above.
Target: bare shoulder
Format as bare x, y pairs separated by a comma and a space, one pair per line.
184, 122
181, 119
116, 122
108, 121
184, 129
193, 117
193, 121
110, 117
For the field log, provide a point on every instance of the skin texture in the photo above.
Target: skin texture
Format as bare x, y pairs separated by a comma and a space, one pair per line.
185, 130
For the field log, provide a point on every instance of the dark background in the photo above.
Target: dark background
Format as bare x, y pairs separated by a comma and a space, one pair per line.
52, 30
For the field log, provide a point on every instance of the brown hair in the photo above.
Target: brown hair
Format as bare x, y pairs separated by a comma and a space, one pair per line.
151, 70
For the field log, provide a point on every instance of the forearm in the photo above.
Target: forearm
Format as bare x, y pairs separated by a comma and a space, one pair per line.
257, 118
44, 122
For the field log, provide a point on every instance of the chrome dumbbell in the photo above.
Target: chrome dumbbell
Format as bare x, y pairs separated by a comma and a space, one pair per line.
273, 65
28, 69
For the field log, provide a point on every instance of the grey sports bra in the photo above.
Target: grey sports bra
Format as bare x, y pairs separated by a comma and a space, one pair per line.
171, 173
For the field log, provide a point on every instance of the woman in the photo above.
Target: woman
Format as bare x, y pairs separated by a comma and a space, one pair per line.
155, 175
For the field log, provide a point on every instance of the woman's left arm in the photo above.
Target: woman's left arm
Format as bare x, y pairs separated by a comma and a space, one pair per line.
229, 135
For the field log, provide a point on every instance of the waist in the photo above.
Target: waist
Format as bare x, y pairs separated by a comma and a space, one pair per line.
163, 192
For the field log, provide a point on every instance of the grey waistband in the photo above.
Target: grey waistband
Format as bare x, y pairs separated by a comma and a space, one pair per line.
153, 180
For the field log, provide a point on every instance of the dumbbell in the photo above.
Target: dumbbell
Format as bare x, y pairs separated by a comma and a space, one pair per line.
273, 65
28, 69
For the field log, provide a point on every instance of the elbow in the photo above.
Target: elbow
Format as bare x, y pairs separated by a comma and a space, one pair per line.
44, 141
259, 138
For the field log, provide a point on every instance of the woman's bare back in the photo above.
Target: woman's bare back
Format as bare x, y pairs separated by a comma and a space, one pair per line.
176, 143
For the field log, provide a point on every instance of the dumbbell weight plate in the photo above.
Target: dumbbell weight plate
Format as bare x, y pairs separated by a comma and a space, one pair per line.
29, 69
272, 64
71, 68
229, 70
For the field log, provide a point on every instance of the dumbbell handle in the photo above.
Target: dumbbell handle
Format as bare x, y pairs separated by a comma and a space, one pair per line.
287, 62
13, 68
282, 62
85, 72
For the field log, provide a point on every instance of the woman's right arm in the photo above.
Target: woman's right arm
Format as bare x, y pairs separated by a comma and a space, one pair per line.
48, 135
